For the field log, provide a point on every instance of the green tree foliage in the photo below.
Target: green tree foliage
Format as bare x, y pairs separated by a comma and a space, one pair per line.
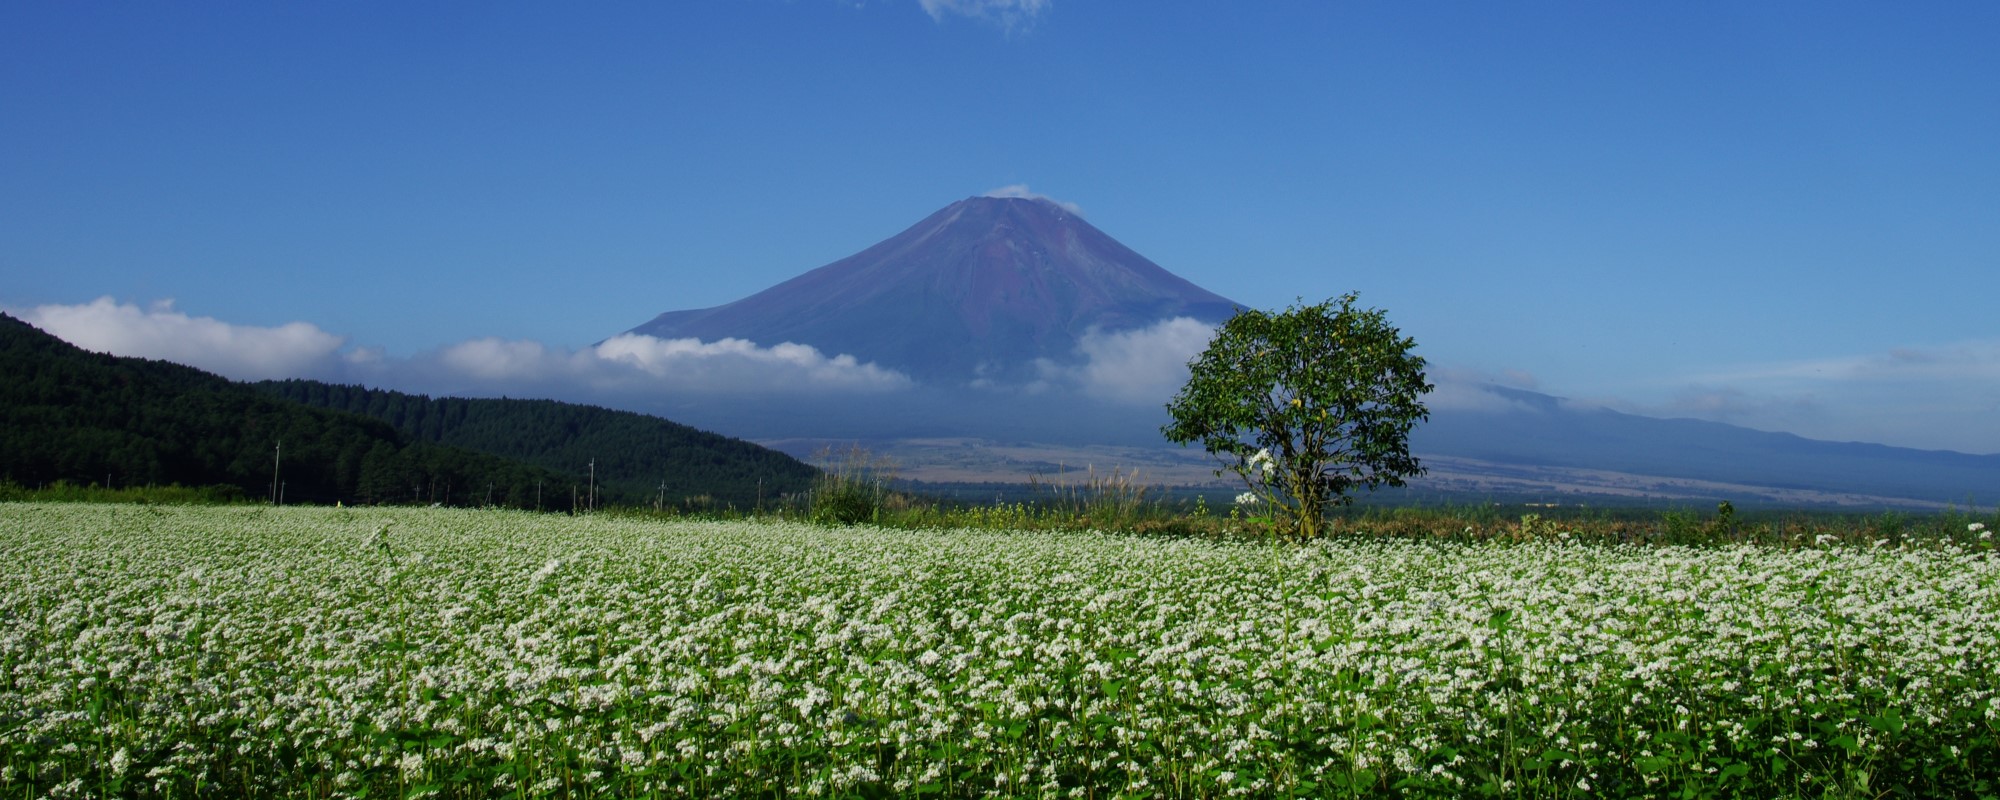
67, 415
98, 420
1306, 405
640, 460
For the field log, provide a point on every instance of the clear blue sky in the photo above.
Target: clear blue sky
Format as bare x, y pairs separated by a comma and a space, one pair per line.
1783, 215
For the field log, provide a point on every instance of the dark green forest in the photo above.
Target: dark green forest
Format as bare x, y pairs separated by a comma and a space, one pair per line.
640, 459
84, 418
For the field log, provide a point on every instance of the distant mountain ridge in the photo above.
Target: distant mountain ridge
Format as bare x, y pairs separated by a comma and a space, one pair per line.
1001, 287
1536, 429
67, 414
637, 457
986, 285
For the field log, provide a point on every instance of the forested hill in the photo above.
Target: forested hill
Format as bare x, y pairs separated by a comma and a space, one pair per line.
67, 414
639, 458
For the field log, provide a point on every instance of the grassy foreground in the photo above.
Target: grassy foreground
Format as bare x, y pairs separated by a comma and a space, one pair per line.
317, 652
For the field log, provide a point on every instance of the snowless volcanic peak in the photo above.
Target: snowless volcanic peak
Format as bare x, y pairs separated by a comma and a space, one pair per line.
982, 288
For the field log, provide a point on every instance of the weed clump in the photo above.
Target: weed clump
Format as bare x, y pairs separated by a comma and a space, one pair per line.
852, 488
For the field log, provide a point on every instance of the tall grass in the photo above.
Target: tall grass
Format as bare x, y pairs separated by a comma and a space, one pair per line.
852, 487
171, 494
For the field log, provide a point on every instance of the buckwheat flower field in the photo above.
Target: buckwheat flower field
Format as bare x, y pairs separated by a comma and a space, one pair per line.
315, 652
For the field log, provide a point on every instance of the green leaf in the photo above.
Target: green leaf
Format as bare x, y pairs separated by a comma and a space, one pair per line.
1331, 391
1889, 722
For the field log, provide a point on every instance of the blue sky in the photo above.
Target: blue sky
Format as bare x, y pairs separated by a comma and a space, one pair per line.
1781, 215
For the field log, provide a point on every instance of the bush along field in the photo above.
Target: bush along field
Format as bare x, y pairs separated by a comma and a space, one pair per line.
155, 651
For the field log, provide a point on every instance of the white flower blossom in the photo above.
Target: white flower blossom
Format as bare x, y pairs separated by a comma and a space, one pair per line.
1261, 461
716, 645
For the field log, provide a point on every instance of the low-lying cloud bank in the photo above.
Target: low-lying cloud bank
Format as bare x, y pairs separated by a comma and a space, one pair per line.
1114, 386
626, 365
1113, 392
1132, 367
243, 352
636, 364
1942, 397
1145, 366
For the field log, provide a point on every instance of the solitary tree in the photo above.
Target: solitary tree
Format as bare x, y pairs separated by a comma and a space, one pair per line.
1305, 405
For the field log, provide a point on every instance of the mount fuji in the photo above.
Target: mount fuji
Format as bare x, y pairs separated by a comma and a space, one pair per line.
990, 296
984, 289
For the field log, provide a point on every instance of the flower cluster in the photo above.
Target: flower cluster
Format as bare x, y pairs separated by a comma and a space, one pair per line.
1262, 465
250, 651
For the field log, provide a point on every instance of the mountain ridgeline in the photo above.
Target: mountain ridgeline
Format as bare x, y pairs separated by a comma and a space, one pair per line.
67, 414
984, 288
1529, 428
639, 459
990, 295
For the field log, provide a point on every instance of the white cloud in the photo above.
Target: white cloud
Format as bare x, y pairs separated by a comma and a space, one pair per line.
1967, 360
1450, 395
1146, 366
1464, 389
242, 352
501, 361
630, 366
1142, 366
623, 366
1943, 397
1010, 15
739, 365
1021, 190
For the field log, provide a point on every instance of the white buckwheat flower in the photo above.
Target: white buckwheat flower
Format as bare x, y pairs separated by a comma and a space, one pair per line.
1261, 461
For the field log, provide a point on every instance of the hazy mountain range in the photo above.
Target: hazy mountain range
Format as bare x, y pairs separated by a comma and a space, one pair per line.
1531, 429
997, 339
1018, 317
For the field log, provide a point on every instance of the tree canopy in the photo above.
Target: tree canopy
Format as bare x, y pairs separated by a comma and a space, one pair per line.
91, 419
1306, 405
639, 459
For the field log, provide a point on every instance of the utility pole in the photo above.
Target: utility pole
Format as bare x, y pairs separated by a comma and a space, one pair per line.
277, 458
593, 485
